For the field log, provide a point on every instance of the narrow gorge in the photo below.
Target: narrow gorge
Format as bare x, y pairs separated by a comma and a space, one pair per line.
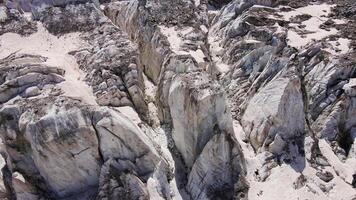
178, 99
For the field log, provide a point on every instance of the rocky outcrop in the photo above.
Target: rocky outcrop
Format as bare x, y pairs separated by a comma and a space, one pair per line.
70, 18
63, 153
271, 127
280, 91
195, 105
177, 99
218, 173
11, 20
113, 68
28, 6
23, 73
188, 99
155, 32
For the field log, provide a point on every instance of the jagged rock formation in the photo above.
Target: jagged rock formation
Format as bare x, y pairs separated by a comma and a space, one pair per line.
155, 99
12, 21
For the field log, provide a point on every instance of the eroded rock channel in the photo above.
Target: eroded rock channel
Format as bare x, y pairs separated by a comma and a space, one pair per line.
178, 99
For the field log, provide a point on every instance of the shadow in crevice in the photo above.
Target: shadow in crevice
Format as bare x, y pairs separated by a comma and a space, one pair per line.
294, 154
346, 139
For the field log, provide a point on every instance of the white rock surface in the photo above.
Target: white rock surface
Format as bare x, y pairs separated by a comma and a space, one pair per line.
157, 99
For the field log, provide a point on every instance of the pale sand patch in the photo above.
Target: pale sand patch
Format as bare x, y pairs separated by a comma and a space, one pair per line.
56, 50
339, 21
341, 46
173, 38
280, 29
204, 28
313, 10
280, 184
298, 41
312, 28
198, 55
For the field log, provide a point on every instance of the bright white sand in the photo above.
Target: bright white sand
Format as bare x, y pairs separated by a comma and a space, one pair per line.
313, 10
339, 21
280, 29
56, 50
280, 184
173, 38
319, 15
341, 46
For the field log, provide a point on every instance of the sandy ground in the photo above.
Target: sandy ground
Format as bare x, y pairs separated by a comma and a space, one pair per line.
280, 184
312, 30
56, 50
318, 13
340, 46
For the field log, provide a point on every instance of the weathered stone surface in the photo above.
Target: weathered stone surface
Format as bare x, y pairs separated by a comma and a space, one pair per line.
203, 99
27, 6
66, 150
19, 78
155, 32
114, 71
217, 170
198, 109
11, 20
66, 19
283, 118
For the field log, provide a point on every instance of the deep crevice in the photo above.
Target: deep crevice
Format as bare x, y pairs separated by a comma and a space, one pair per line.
102, 160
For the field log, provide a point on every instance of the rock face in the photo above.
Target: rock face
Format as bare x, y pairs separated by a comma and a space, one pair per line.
283, 118
21, 73
64, 153
11, 20
113, 68
195, 107
192, 100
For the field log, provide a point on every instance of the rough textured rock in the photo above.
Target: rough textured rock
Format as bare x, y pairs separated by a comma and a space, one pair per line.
270, 127
189, 100
113, 68
223, 155
70, 18
19, 73
11, 20
177, 99
67, 149
28, 6
198, 110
